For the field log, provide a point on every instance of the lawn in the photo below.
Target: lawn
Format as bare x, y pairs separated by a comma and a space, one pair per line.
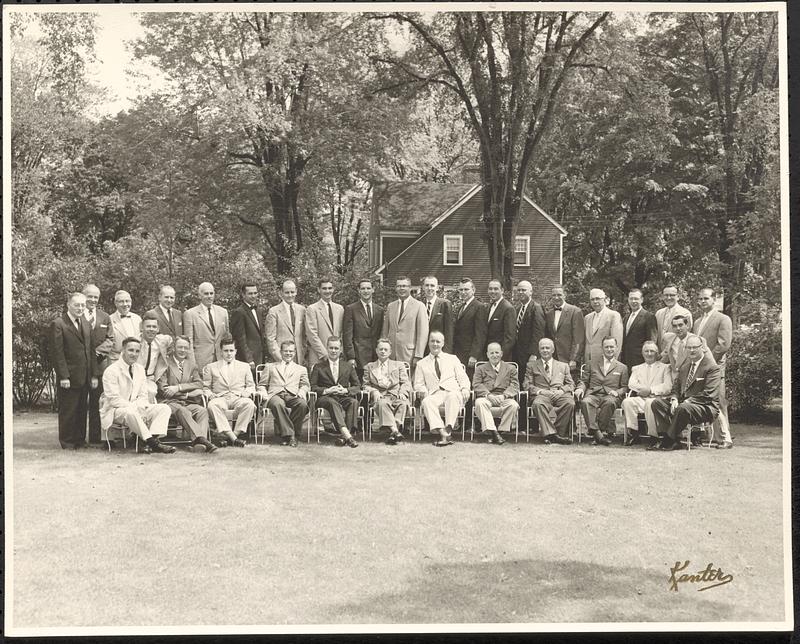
473, 533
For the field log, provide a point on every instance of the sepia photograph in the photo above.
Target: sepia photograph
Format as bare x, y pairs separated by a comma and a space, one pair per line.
396, 317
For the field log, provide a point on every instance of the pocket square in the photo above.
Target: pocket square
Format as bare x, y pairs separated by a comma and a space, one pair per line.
699, 378
103, 326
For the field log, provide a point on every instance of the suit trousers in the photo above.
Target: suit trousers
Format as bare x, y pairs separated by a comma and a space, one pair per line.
452, 403
689, 412
721, 424
147, 421
598, 411
563, 404
343, 410
94, 412
191, 416
508, 410
289, 411
635, 405
391, 411
72, 409
243, 407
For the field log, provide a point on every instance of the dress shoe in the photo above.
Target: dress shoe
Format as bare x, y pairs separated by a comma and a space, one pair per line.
394, 439
654, 447
210, 447
724, 445
292, 442
497, 439
160, 448
350, 442
633, 438
239, 443
669, 446
81, 445
443, 443
558, 439
603, 440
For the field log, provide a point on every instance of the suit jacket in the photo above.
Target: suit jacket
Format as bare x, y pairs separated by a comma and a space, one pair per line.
570, 336
164, 344
279, 329
594, 381
644, 328
704, 386
247, 334
322, 377
529, 332
238, 380
190, 382
294, 380
205, 342
408, 336
72, 353
671, 355
718, 333
121, 332
358, 336
120, 390
535, 377
664, 320
102, 338
488, 381
453, 376
398, 384
441, 320
502, 327
169, 326
469, 331
319, 329
608, 324
658, 378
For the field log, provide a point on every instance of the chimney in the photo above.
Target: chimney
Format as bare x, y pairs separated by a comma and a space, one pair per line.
471, 173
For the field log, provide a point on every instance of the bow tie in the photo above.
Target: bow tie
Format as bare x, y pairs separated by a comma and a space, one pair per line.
557, 308
125, 316
252, 308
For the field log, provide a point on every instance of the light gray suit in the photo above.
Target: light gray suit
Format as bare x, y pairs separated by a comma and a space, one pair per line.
664, 321
408, 335
205, 342
279, 329
717, 331
608, 323
319, 328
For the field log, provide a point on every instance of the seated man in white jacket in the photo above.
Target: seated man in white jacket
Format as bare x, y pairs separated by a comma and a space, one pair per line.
442, 379
650, 380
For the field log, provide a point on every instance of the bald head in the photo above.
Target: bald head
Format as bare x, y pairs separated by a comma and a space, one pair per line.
524, 291
597, 298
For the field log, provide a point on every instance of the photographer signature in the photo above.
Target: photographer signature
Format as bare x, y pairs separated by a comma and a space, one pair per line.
710, 574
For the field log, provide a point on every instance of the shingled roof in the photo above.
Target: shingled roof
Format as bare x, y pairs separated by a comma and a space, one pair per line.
414, 206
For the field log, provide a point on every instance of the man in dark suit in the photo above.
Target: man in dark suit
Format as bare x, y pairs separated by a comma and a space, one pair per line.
247, 328
361, 328
565, 327
602, 389
170, 320
469, 328
695, 395
336, 384
638, 327
73, 358
530, 326
103, 343
439, 312
501, 325
496, 386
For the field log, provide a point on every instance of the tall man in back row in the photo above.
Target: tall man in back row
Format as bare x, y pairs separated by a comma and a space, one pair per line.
361, 328
601, 323
564, 326
405, 324
205, 325
247, 328
501, 324
286, 322
323, 319
438, 310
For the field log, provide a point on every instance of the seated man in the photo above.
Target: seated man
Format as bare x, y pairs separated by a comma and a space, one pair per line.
695, 395
648, 381
386, 382
336, 384
549, 383
125, 400
602, 387
495, 384
180, 388
284, 388
228, 384
441, 378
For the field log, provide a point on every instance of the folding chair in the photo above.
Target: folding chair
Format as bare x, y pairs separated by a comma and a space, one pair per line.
496, 411
320, 417
421, 417
411, 414
231, 415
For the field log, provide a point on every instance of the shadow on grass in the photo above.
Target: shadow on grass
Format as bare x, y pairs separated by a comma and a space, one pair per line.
531, 591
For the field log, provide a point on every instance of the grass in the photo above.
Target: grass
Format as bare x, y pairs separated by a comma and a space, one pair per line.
473, 533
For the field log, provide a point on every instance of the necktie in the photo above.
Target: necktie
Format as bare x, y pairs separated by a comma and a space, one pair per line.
254, 311
149, 355
291, 317
429, 305
211, 321
335, 371
690, 375
91, 319
180, 370
491, 311
460, 311
594, 322
702, 324
330, 314
521, 315
631, 318
130, 370
436, 367
402, 306
369, 314
547, 370
78, 326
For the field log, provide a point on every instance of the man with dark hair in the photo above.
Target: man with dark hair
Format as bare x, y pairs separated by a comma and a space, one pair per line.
361, 328
405, 323
284, 388
665, 315
170, 319
674, 343
103, 343
247, 328
154, 350
336, 384
469, 329
501, 324
638, 327
323, 320
439, 312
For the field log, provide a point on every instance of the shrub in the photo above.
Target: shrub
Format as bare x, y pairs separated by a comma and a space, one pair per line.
753, 370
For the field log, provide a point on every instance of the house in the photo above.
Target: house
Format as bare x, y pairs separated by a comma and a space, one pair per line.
419, 229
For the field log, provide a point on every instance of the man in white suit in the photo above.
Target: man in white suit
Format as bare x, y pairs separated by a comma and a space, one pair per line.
284, 388
665, 315
286, 322
323, 320
205, 325
124, 324
126, 401
649, 380
228, 384
601, 323
405, 324
441, 378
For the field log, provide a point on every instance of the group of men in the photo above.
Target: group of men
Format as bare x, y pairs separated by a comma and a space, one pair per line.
137, 371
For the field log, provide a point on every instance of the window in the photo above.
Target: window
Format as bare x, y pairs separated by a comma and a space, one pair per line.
453, 245
522, 250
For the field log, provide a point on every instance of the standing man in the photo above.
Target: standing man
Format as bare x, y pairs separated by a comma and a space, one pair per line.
103, 343
501, 326
665, 315
386, 381
649, 380
170, 320
286, 322
247, 328
361, 328
601, 323
469, 329
284, 389
153, 353
441, 378
323, 319
336, 384
439, 312
405, 323
124, 324
495, 385
638, 327
550, 387
530, 325
564, 326
73, 358
716, 329
205, 325
604, 386
674, 353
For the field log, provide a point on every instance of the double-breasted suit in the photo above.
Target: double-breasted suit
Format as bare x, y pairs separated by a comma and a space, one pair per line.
322, 323
279, 329
500, 382
408, 334
247, 329
204, 339
440, 319
604, 385
390, 388
360, 332
103, 343
550, 389
635, 334
501, 327
530, 330
600, 325
171, 324
342, 408
567, 333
